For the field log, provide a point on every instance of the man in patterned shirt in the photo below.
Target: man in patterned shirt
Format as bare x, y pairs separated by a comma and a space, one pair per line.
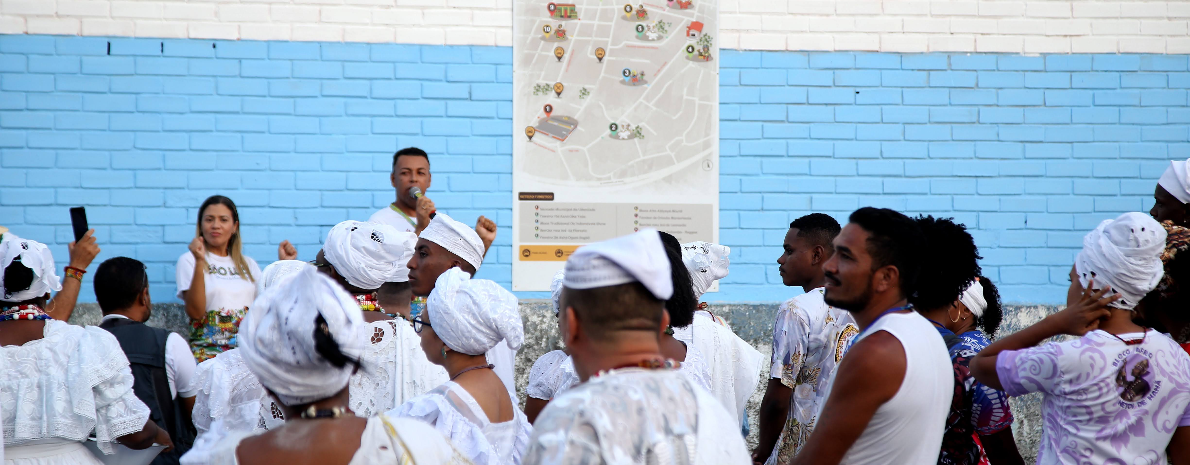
809, 338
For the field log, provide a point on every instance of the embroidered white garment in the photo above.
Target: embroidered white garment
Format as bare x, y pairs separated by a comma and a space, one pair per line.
637, 257
227, 391
35, 256
732, 365
457, 415
473, 315
636, 416
1176, 180
393, 369
399, 442
706, 262
551, 375
73, 380
277, 271
455, 237
1124, 253
809, 339
368, 255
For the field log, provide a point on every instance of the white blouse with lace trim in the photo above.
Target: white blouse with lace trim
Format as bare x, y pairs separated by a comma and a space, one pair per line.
228, 392
457, 415
73, 380
392, 370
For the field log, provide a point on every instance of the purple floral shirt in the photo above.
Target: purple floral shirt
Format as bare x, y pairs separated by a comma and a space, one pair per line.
1104, 401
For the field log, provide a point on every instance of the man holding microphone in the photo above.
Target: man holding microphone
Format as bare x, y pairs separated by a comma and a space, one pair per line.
410, 212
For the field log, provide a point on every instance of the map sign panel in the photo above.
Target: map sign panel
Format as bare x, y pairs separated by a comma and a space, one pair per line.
616, 126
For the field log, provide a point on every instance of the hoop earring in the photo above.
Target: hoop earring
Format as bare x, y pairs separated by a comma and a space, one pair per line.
952, 320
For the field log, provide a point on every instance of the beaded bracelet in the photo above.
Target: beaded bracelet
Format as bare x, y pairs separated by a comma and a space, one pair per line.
76, 273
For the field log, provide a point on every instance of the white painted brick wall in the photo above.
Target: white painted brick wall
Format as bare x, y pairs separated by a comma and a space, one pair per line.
1042, 26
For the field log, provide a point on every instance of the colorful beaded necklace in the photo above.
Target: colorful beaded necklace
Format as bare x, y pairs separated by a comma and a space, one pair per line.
23, 312
648, 364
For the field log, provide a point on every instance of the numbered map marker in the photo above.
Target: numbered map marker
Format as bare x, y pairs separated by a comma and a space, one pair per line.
640, 28
600, 53
613, 127
552, 7
547, 29
627, 9
548, 109
529, 131
558, 88
690, 48
559, 53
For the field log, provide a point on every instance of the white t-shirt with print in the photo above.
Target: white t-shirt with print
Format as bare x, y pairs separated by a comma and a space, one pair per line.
1105, 401
388, 215
225, 288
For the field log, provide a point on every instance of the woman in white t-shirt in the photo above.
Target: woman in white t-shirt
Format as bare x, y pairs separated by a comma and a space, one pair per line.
215, 279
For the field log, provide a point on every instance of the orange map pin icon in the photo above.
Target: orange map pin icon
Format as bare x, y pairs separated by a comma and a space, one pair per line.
558, 88
600, 53
559, 52
530, 131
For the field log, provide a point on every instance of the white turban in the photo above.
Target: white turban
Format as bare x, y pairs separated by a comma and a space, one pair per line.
35, 256
556, 290
1124, 253
277, 270
473, 315
368, 255
706, 262
276, 337
637, 257
1176, 180
972, 297
455, 237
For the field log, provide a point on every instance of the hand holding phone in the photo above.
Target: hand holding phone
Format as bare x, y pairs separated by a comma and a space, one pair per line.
78, 219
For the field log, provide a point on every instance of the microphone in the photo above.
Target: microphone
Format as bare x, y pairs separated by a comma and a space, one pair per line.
416, 193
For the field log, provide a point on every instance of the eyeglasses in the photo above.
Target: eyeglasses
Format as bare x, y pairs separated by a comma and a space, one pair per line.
318, 265
418, 323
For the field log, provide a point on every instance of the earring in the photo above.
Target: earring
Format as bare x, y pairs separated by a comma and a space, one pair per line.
444, 352
952, 320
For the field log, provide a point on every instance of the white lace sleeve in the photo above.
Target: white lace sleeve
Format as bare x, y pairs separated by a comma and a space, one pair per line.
373, 387
436, 409
227, 391
103, 366
547, 375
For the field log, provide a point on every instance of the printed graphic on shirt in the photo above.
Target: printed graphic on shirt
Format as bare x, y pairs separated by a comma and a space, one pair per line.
1135, 382
845, 337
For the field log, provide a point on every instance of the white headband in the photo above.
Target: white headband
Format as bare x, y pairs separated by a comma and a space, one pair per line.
368, 255
638, 257
706, 262
1176, 180
456, 238
278, 270
276, 337
972, 298
35, 256
1124, 253
473, 315
556, 290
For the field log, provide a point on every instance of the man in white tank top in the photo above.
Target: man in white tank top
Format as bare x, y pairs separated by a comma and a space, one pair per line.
893, 389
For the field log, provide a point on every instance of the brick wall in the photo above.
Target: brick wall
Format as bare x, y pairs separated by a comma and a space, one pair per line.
1006, 26
1030, 152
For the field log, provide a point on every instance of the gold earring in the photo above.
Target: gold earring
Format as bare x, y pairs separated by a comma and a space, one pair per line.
952, 320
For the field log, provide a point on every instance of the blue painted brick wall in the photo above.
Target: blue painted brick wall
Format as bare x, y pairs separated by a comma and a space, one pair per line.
1030, 152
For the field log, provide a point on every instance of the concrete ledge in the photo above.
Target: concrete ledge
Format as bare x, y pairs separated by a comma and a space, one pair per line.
752, 322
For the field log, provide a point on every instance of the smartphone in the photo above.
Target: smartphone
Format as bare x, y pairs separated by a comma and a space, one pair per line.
78, 219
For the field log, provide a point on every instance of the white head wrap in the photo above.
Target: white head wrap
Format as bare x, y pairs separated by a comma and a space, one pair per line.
972, 298
637, 257
277, 270
556, 290
706, 262
455, 237
276, 337
34, 255
368, 255
1124, 253
473, 315
1176, 180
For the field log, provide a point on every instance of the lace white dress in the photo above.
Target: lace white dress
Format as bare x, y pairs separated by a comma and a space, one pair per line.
457, 415
384, 441
393, 369
730, 367
551, 374
55, 390
228, 399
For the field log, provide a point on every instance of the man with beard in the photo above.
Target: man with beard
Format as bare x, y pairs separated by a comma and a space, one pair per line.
893, 389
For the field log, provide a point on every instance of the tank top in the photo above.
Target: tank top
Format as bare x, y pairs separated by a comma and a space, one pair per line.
907, 430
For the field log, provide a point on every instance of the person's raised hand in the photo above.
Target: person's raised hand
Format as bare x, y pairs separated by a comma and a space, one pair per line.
486, 229
1083, 315
83, 251
198, 248
286, 251
425, 206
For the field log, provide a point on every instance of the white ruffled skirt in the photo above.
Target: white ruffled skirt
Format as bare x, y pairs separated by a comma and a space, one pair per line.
50, 452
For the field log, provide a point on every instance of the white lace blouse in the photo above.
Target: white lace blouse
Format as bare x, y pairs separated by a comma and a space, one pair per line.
457, 415
551, 375
227, 391
73, 380
392, 370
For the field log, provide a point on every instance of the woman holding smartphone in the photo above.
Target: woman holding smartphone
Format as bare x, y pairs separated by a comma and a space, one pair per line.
215, 279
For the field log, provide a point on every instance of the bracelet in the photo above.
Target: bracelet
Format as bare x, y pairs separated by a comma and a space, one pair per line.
76, 273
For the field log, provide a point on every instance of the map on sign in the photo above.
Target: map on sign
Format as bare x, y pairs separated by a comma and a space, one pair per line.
616, 117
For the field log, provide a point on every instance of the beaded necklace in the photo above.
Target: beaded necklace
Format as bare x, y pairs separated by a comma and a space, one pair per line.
367, 303
647, 364
23, 312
